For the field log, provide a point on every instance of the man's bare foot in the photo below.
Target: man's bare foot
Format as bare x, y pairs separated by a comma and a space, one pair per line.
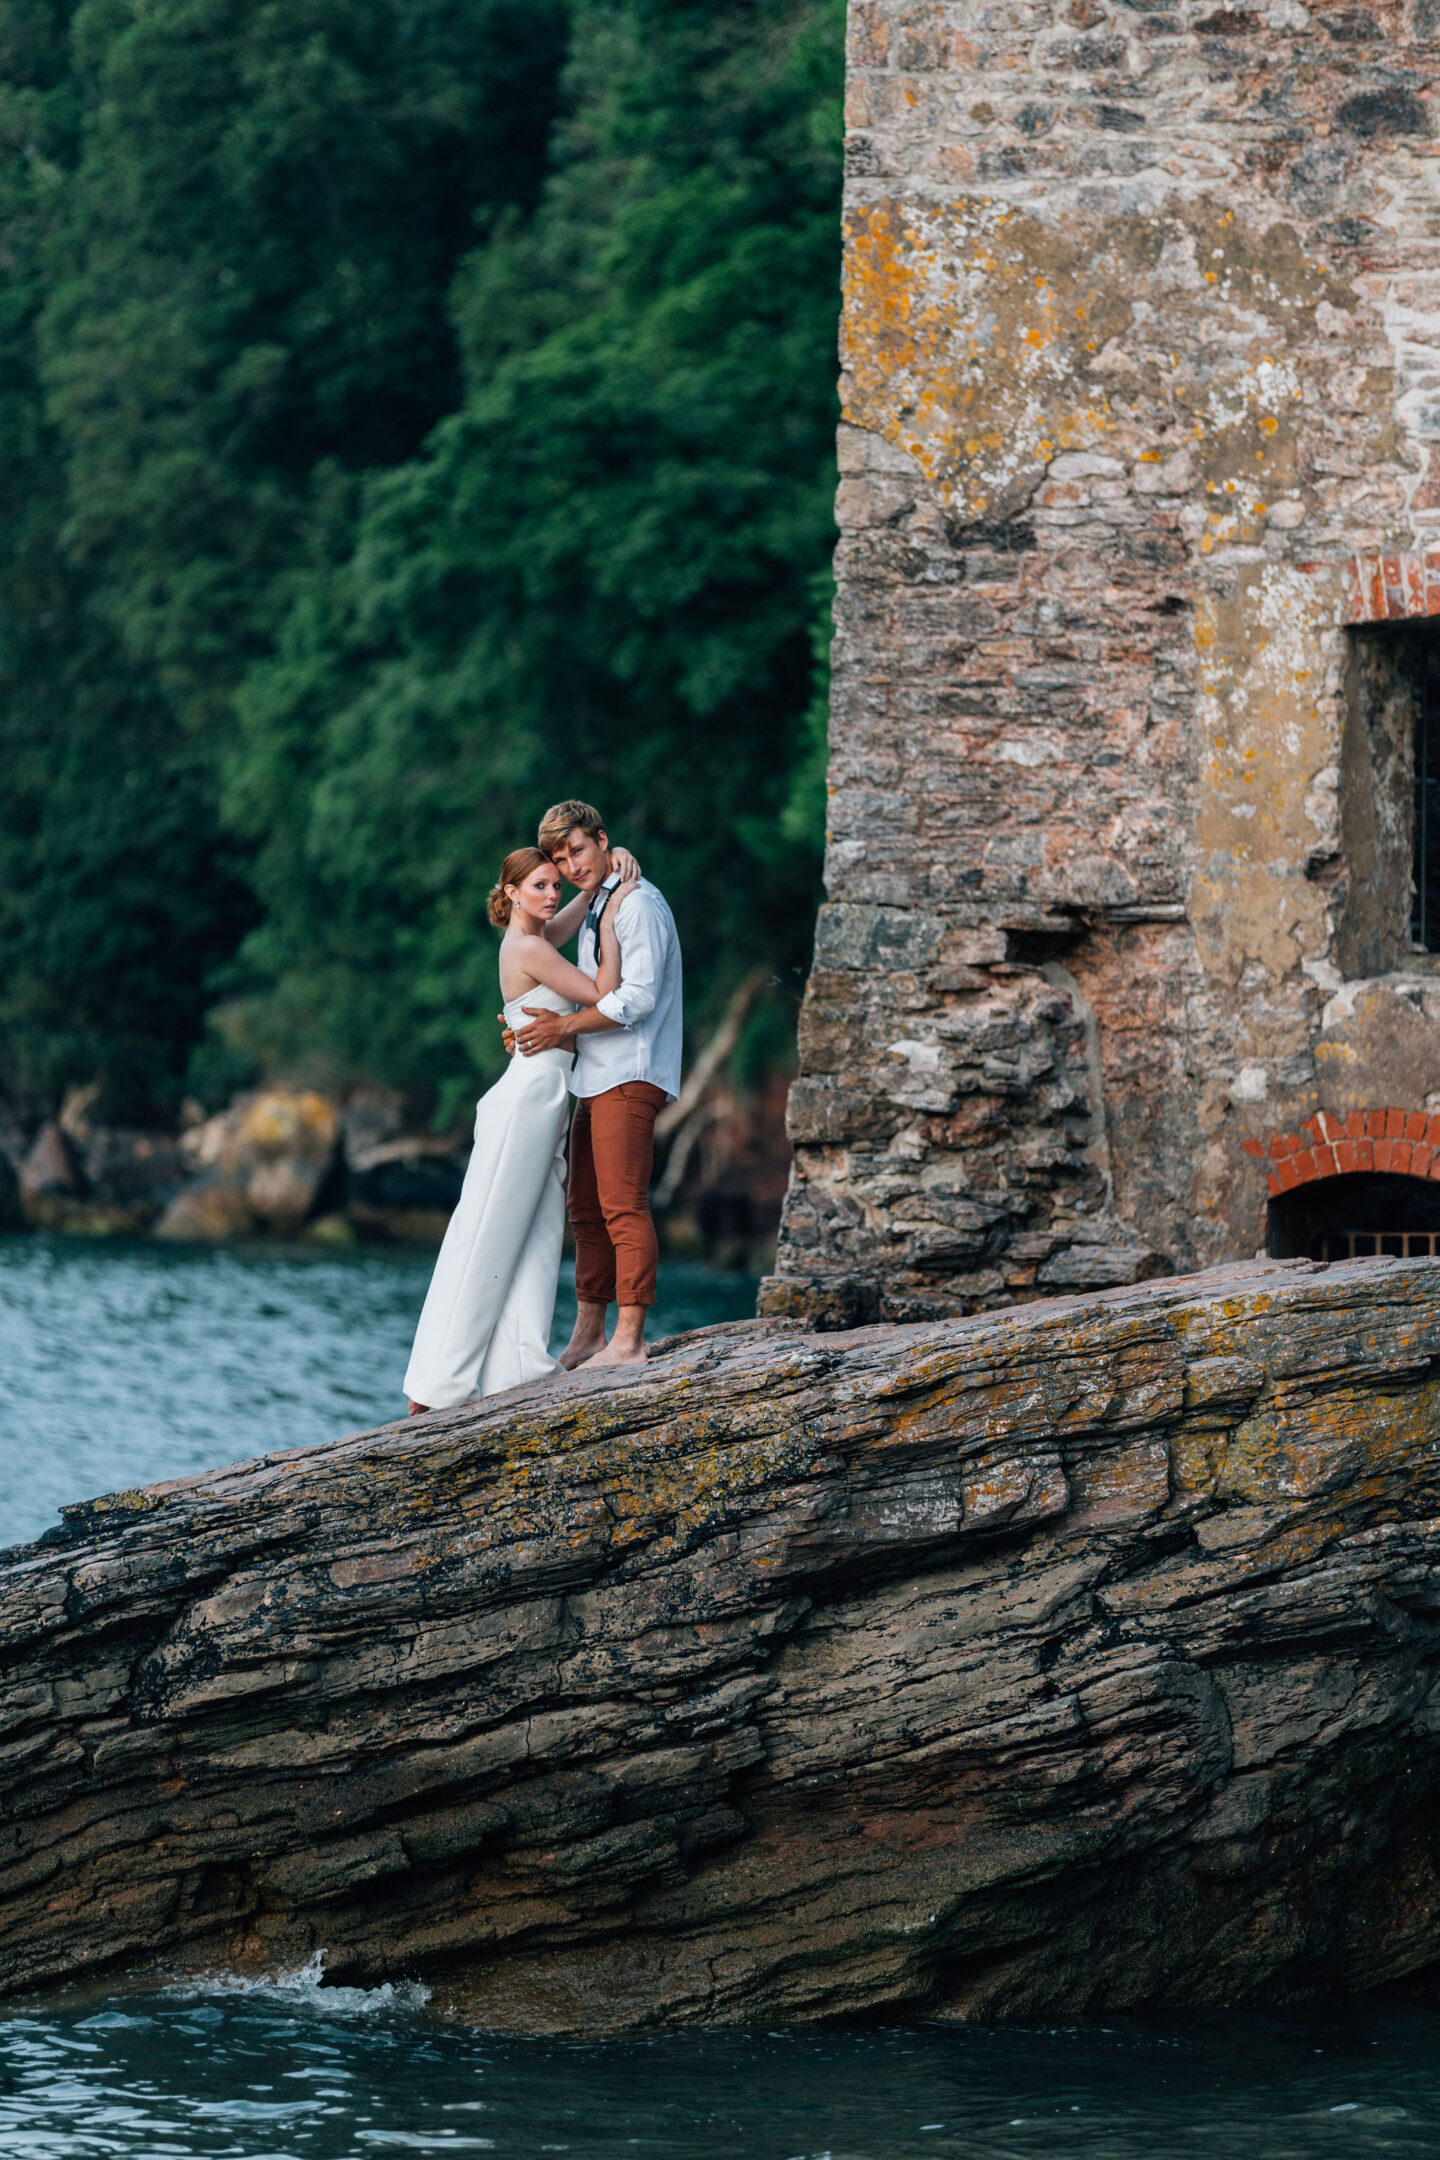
578, 1353
419, 1409
627, 1345
587, 1337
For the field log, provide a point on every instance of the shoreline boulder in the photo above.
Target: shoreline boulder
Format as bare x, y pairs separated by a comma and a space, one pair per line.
261, 1165
398, 1185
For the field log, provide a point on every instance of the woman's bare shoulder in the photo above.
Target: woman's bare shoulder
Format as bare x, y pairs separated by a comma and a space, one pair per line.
522, 958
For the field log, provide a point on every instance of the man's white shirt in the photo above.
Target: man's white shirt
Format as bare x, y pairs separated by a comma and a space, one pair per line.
647, 1043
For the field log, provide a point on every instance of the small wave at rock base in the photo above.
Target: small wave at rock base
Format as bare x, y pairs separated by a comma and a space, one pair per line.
305, 1989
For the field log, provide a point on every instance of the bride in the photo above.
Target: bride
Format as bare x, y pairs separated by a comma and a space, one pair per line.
486, 1321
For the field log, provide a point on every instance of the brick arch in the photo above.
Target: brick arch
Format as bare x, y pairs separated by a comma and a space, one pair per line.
1404, 1142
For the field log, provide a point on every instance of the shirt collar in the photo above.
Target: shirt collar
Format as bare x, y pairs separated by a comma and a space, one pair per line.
591, 918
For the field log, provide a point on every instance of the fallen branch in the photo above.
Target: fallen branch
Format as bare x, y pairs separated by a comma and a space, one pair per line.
682, 1147
714, 1054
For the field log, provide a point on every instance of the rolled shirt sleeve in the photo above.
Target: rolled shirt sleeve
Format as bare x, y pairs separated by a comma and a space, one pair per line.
642, 961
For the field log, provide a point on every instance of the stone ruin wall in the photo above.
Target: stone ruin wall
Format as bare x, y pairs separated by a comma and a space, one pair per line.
1141, 350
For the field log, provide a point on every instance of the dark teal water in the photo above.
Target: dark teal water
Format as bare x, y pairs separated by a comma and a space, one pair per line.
299, 2072
119, 1365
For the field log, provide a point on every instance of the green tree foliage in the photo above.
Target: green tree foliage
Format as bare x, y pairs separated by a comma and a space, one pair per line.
421, 409
103, 962
250, 284
597, 580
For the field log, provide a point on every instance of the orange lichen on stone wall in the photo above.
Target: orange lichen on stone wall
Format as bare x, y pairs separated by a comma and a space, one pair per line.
1263, 733
962, 347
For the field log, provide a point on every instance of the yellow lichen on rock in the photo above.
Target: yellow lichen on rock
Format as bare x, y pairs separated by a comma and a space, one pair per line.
963, 348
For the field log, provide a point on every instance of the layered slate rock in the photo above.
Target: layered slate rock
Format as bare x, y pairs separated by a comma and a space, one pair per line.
1075, 1657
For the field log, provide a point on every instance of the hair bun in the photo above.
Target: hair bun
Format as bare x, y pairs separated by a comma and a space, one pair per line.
520, 863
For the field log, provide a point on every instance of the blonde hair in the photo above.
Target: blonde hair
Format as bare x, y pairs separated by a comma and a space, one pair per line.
517, 866
559, 822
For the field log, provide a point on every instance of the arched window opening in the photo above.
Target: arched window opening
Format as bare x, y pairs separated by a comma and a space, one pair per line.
1355, 1218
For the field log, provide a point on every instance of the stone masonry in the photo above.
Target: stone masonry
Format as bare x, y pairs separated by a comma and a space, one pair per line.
1140, 477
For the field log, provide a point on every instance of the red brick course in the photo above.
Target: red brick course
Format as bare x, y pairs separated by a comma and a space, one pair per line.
1392, 588
1405, 1142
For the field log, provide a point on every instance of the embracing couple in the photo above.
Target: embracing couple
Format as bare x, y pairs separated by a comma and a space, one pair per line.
606, 1031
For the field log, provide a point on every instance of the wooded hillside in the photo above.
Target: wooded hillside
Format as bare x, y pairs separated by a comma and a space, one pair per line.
410, 411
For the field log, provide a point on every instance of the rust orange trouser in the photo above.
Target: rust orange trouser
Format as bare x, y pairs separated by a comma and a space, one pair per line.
612, 1144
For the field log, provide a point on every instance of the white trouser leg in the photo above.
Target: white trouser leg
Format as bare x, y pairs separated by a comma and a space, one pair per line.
520, 1341
518, 1126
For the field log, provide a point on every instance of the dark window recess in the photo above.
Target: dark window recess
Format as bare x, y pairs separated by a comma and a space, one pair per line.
1425, 911
1354, 1218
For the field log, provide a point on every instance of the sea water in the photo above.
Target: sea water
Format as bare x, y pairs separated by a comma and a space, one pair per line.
298, 2071
121, 1364
124, 1364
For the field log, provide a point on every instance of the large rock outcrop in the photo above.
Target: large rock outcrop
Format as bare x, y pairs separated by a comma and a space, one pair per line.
1085, 1655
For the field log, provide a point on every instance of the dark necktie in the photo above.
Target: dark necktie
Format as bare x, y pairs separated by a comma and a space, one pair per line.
594, 912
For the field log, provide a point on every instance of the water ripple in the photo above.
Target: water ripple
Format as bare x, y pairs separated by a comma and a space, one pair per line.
127, 1363
208, 2076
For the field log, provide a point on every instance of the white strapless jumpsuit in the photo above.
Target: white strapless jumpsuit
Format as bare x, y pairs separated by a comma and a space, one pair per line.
486, 1320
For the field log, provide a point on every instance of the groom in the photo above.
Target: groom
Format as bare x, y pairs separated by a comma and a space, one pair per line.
627, 1067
